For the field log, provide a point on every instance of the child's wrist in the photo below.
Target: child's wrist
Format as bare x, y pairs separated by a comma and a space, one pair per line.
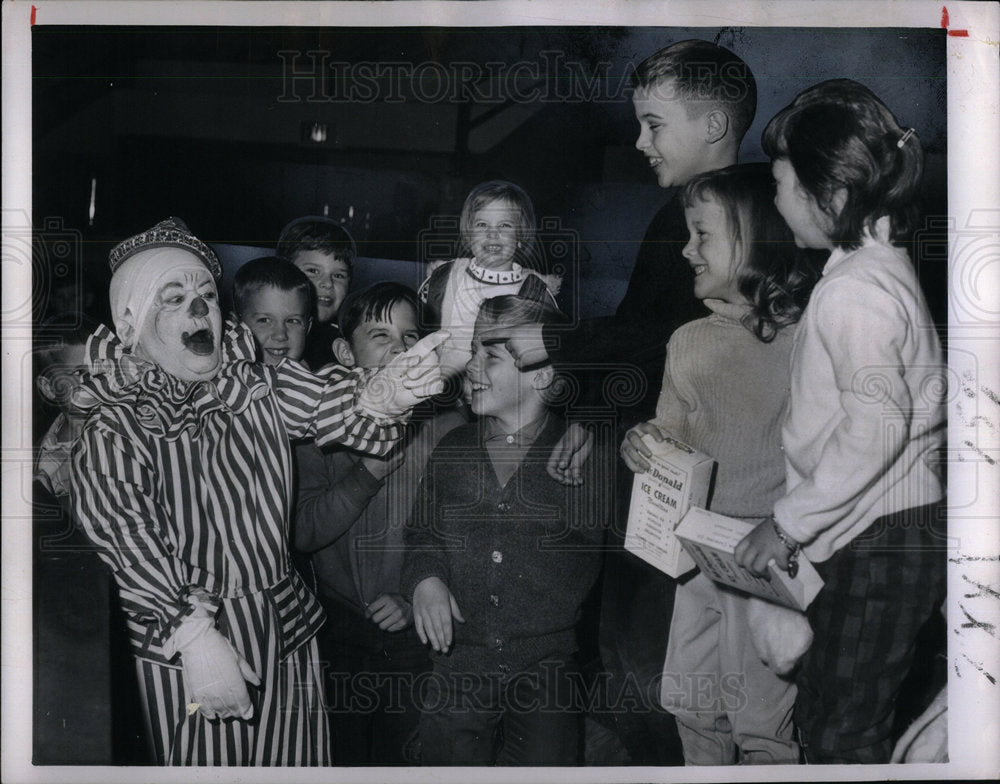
783, 536
793, 547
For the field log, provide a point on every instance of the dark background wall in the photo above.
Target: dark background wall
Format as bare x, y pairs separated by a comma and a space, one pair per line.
211, 125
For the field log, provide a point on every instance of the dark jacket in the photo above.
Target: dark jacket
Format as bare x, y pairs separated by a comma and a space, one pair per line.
519, 559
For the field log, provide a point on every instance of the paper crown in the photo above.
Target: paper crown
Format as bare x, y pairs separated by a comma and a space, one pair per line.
170, 233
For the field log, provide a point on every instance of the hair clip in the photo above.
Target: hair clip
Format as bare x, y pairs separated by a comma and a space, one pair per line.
903, 139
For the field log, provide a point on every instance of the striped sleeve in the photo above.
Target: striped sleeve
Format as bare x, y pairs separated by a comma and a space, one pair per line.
322, 406
113, 498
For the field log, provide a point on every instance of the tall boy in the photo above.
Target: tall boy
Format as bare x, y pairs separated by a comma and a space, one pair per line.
694, 102
325, 252
349, 516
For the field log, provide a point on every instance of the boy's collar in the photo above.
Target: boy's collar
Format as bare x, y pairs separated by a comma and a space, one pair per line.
524, 437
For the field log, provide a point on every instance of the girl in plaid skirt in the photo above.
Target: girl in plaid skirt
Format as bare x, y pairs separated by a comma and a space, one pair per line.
866, 419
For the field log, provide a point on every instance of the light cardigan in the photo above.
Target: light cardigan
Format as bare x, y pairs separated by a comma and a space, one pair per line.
725, 392
866, 417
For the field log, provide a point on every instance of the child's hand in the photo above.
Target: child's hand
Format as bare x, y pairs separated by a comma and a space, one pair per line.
391, 612
524, 343
570, 455
406, 380
759, 548
433, 608
634, 451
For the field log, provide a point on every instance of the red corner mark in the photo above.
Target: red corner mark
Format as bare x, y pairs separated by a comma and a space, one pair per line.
945, 22
33, 10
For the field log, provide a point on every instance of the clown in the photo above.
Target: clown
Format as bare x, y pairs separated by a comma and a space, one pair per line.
182, 478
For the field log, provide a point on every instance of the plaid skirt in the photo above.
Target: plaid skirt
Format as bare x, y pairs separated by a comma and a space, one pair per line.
879, 591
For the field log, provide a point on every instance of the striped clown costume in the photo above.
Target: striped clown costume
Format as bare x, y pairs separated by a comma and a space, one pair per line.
183, 479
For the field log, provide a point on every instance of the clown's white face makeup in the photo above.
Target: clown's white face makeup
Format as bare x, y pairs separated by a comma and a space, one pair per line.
182, 331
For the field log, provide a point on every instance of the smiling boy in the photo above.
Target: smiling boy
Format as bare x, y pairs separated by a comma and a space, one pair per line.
499, 559
275, 299
325, 252
349, 521
694, 102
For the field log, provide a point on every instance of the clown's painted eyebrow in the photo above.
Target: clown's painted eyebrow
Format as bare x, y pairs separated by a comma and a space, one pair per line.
196, 279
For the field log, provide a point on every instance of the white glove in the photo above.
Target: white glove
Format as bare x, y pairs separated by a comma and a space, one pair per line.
214, 671
409, 378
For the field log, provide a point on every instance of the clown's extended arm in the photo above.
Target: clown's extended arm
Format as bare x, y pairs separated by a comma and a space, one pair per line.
323, 406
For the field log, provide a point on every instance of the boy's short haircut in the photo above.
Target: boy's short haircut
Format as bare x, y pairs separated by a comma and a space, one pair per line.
270, 272
57, 333
511, 310
374, 303
699, 71
514, 310
315, 232
499, 190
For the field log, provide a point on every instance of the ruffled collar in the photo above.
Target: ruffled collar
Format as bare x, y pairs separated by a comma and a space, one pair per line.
165, 405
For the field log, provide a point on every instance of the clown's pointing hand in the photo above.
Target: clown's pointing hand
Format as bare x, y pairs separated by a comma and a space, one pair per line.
408, 379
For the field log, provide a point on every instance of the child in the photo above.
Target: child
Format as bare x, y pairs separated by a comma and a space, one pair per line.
182, 479
275, 300
509, 553
61, 365
694, 102
865, 422
497, 228
724, 391
325, 252
350, 516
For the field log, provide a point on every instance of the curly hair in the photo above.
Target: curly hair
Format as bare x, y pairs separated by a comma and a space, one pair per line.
773, 275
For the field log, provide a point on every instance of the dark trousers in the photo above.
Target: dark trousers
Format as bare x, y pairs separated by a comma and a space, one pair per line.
637, 603
530, 717
879, 591
372, 678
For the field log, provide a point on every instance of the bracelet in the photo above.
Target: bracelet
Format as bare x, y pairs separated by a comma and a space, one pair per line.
794, 548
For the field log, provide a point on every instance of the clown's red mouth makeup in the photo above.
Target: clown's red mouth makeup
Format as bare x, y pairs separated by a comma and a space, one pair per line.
199, 342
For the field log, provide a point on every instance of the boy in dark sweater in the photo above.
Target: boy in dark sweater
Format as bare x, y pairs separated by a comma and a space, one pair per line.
694, 101
509, 553
349, 519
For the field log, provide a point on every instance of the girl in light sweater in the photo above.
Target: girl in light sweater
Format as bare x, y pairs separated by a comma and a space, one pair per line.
866, 419
725, 389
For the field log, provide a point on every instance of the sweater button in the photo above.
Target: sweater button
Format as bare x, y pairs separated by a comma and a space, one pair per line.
494, 600
504, 668
498, 644
503, 506
497, 556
